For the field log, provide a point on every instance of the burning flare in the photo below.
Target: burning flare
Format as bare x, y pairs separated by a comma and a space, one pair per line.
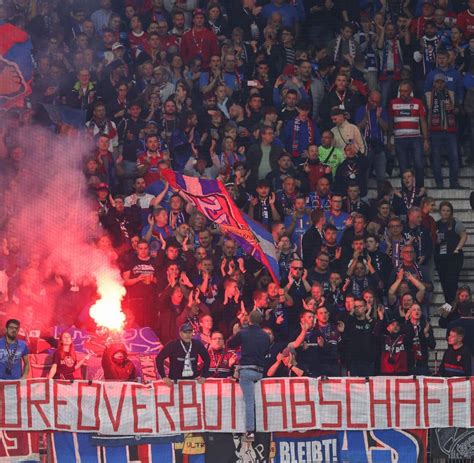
107, 311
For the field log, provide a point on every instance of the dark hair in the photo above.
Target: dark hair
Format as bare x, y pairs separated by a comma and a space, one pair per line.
330, 226
12, 321
459, 330
306, 311
316, 215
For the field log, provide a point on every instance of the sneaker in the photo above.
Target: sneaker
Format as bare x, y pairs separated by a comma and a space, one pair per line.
249, 436
457, 186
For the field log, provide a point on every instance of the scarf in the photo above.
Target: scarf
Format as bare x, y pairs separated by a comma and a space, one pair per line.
366, 43
337, 48
296, 135
392, 45
359, 285
441, 120
104, 127
372, 133
430, 48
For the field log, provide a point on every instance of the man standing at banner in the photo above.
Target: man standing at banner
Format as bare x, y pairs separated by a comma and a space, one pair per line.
254, 345
12, 352
183, 355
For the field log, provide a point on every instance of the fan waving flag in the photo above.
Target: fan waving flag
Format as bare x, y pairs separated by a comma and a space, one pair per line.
212, 199
16, 66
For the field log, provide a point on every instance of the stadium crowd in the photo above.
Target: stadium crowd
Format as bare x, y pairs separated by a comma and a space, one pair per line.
295, 106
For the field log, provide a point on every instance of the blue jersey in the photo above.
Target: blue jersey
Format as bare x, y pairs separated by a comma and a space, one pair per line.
339, 222
302, 225
11, 359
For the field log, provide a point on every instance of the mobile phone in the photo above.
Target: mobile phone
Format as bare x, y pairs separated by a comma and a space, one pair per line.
446, 307
252, 83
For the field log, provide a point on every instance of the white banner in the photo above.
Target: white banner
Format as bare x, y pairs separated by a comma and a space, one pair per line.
282, 404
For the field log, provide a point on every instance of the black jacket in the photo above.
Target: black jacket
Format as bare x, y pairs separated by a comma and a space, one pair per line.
254, 158
176, 354
312, 242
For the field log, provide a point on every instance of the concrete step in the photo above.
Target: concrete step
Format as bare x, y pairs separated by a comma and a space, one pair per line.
464, 172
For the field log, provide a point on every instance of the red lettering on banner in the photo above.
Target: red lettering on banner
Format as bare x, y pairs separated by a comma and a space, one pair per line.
399, 401
115, 420
233, 407
337, 403
3, 404
192, 405
307, 402
58, 402
37, 403
218, 425
164, 405
136, 407
80, 388
374, 402
426, 398
266, 404
350, 424
452, 400
16, 444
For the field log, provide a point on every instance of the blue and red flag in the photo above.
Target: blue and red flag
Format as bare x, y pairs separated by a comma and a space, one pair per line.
16, 66
211, 198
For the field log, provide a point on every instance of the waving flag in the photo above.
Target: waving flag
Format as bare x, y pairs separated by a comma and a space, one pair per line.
16, 66
212, 199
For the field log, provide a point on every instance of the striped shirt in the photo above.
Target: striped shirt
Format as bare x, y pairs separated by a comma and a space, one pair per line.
406, 117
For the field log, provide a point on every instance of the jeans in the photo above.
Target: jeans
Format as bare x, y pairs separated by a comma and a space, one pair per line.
376, 158
444, 143
385, 89
449, 268
411, 148
247, 381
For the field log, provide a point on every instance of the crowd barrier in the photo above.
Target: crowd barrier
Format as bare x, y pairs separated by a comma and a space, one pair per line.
305, 420
282, 405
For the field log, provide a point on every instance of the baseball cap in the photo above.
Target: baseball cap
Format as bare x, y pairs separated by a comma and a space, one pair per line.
117, 45
186, 327
440, 77
102, 186
198, 11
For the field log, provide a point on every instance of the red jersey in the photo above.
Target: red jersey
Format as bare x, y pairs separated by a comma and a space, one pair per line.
316, 171
406, 117
201, 43
393, 360
152, 173
137, 42
465, 22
